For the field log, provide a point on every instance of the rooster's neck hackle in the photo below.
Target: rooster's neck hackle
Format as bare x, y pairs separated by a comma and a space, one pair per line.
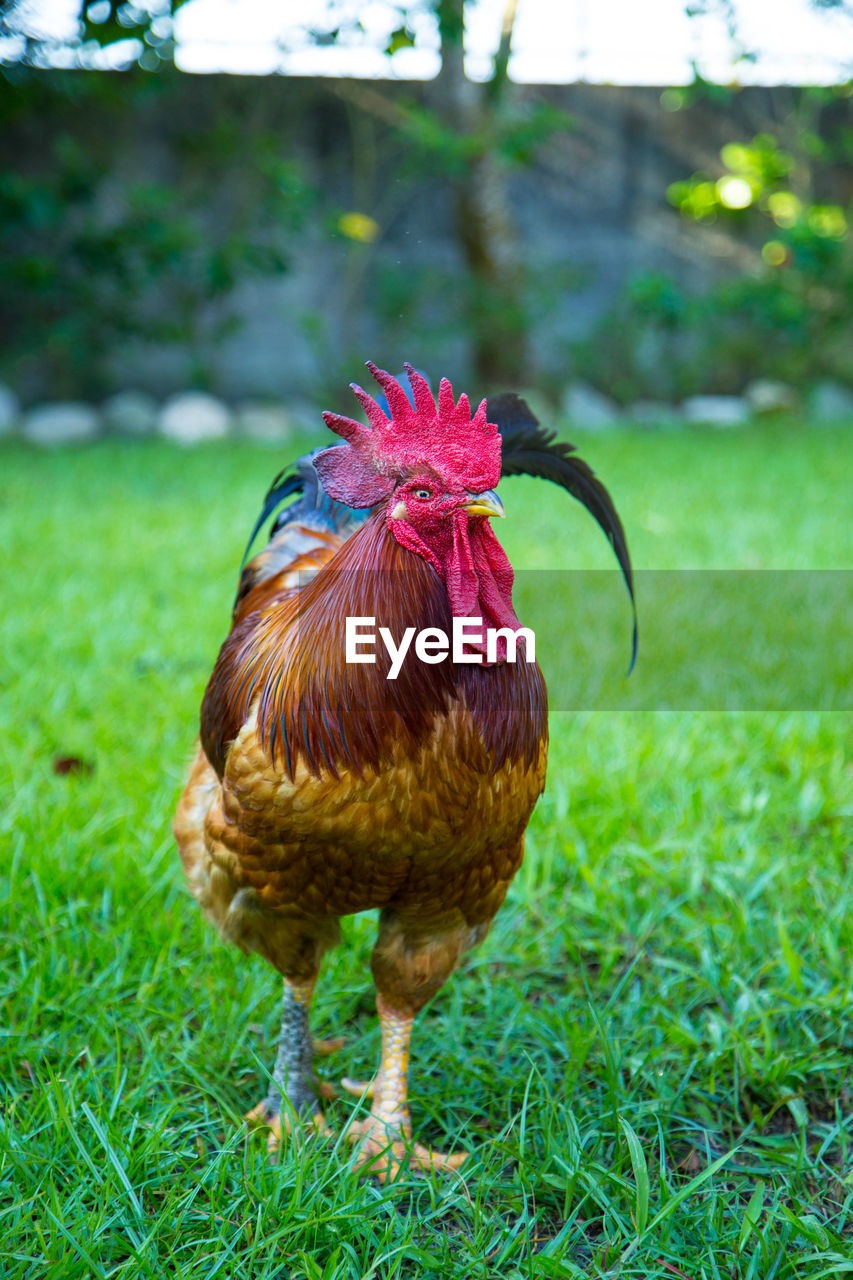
316, 708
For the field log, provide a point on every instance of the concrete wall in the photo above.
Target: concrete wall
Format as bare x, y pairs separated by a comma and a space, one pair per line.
591, 211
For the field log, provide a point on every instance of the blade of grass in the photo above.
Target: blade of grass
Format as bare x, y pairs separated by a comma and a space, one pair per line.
641, 1176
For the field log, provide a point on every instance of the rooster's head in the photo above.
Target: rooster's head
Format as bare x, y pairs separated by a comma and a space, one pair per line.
433, 467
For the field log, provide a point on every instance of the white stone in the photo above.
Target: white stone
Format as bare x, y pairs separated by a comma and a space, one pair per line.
766, 396
266, 423
192, 417
65, 422
131, 413
583, 406
831, 402
653, 413
10, 410
716, 411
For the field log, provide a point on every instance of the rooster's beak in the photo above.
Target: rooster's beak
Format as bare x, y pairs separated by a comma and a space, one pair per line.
485, 504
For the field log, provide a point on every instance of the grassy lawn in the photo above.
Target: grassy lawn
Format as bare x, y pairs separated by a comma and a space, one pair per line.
649, 1056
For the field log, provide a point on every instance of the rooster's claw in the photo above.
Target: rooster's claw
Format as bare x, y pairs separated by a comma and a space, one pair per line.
263, 1117
383, 1158
360, 1088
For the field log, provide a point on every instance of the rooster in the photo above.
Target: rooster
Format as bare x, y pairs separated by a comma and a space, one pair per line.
321, 787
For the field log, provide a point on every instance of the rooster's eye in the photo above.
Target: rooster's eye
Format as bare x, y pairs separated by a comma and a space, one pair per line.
425, 494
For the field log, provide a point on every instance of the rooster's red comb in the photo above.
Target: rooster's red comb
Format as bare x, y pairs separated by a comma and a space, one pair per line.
462, 448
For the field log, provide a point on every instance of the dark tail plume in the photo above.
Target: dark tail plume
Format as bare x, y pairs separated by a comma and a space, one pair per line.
529, 449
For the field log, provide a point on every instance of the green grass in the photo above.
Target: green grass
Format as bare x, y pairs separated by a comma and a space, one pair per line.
648, 1057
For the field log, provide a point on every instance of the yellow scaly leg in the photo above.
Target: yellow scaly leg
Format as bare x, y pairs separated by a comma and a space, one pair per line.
384, 1137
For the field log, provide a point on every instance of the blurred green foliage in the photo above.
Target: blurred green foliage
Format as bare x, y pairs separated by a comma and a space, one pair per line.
466, 142
107, 22
140, 32
788, 315
91, 256
515, 134
661, 342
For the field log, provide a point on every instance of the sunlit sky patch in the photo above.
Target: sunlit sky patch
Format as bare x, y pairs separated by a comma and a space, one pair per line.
617, 41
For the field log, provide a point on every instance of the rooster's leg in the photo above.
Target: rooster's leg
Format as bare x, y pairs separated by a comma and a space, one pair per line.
385, 1137
293, 1075
410, 963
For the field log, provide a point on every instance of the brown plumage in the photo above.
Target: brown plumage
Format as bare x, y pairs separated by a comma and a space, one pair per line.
322, 788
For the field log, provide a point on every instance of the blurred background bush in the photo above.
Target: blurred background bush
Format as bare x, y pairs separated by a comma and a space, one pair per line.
256, 236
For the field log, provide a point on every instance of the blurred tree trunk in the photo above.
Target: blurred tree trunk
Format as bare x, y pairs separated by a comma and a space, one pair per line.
481, 204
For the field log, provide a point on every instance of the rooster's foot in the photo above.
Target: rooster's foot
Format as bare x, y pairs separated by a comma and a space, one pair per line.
268, 1115
384, 1137
383, 1153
